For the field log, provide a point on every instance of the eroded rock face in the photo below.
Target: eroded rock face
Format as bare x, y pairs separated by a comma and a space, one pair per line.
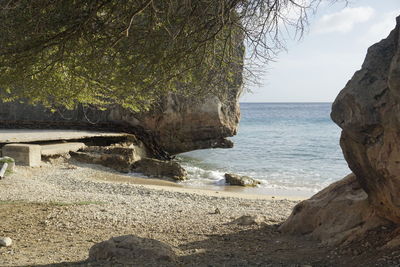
179, 123
341, 212
160, 168
184, 124
120, 156
368, 111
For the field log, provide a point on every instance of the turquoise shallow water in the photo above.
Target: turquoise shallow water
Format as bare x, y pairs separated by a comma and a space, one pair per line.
287, 146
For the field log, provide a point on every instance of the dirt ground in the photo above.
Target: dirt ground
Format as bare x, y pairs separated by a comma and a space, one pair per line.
40, 243
55, 214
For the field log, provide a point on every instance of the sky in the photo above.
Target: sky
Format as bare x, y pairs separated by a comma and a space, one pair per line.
317, 67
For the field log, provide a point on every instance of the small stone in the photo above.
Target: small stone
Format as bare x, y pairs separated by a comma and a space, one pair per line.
5, 241
248, 220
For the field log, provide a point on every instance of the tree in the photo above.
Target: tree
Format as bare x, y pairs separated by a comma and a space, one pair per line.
100, 52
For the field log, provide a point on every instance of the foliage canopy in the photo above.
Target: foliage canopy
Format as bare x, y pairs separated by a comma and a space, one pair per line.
131, 52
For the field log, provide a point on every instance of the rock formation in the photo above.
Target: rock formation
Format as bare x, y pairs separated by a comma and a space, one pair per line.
179, 124
336, 214
184, 124
131, 250
367, 110
160, 168
234, 179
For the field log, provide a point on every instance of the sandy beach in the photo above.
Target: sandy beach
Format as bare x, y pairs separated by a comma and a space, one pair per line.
56, 213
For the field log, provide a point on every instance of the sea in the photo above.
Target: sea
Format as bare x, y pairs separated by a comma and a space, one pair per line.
291, 148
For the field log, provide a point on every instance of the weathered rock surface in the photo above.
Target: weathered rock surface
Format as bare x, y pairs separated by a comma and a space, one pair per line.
161, 169
178, 123
113, 161
119, 157
367, 110
131, 250
184, 124
234, 179
340, 212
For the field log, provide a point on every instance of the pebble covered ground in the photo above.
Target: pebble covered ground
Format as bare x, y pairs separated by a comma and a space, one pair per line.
55, 213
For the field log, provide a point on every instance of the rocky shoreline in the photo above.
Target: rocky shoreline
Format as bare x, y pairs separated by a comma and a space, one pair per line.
56, 213
76, 198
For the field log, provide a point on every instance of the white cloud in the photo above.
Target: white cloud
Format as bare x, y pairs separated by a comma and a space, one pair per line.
382, 28
344, 20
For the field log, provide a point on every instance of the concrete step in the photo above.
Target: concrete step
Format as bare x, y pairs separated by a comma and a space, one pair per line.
33, 135
23, 154
60, 148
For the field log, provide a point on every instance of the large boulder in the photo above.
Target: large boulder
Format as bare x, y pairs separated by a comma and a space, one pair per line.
184, 124
341, 212
368, 111
131, 250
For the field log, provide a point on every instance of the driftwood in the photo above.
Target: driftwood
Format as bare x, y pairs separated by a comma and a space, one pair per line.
3, 170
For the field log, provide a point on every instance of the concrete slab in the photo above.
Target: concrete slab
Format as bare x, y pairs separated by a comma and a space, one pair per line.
61, 148
27, 135
23, 154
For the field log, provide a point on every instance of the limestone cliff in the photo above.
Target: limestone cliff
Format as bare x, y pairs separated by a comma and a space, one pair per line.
178, 123
185, 124
367, 110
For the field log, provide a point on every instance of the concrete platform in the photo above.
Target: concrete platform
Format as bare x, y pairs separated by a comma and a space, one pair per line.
26, 136
60, 148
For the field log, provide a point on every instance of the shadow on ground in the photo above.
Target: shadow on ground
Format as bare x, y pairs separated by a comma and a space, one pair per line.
252, 247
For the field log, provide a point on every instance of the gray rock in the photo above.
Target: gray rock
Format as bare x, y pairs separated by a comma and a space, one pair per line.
367, 110
234, 179
119, 157
336, 214
161, 168
134, 251
113, 161
5, 241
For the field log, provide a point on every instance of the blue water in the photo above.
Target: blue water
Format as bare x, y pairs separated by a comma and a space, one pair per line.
284, 145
